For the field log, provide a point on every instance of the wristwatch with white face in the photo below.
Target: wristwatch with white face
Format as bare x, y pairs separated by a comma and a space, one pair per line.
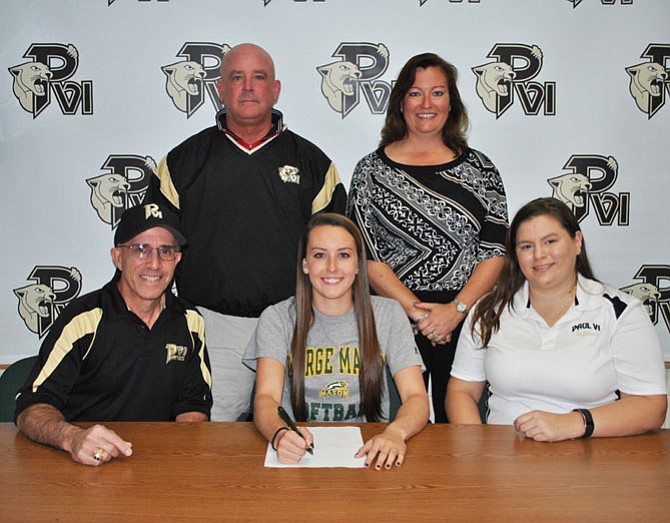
460, 306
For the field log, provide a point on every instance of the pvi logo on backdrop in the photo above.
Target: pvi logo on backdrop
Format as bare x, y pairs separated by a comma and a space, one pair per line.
187, 81
575, 3
649, 291
123, 186
41, 302
357, 71
587, 182
47, 73
514, 68
649, 80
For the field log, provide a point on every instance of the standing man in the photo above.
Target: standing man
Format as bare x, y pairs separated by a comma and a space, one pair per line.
130, 351
245, 190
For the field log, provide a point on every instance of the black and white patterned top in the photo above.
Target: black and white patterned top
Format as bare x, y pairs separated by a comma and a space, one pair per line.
430, 224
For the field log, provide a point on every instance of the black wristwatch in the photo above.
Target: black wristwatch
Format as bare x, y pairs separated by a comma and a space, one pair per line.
460, 306
588, 422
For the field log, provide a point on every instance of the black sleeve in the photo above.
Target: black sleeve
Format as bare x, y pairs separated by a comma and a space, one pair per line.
338, 202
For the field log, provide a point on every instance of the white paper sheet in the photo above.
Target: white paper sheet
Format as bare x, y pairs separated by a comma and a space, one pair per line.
333, 447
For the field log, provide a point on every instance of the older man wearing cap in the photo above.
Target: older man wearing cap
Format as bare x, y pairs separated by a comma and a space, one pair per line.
127, 352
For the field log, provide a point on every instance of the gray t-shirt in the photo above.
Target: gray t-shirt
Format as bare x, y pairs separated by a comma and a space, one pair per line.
332, 358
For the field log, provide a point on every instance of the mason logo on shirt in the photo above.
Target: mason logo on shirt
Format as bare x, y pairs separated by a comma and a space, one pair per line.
329, 361
586, 329
337, 389
175, 352
319, 361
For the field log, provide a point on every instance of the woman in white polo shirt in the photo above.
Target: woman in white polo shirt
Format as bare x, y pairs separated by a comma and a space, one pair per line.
565, 356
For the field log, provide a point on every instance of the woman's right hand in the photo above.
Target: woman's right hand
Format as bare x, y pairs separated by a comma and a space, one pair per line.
441, 321
291, 447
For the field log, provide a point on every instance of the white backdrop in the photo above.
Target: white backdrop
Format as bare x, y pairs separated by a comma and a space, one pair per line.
75, 150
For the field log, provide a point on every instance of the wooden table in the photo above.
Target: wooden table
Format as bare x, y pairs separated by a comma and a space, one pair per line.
214, 472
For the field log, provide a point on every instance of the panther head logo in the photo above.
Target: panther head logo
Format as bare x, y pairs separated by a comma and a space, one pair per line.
107, 193
338, 79
493, 80
30, 80
572, 189
183, 80
289, 174
35, 301
41, 302
647, 80
646, 293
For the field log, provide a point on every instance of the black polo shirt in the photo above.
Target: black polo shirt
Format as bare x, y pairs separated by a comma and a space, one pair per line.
100, 362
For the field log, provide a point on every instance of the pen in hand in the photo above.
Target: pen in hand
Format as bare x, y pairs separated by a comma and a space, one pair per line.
291, 425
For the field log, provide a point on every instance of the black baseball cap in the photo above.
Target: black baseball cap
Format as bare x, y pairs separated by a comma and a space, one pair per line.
147, 216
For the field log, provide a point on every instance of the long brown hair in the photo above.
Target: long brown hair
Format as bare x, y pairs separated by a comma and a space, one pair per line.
486, 315
455, 129
370, 377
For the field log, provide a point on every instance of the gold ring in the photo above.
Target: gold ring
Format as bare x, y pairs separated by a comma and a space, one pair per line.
434, 337
99, 454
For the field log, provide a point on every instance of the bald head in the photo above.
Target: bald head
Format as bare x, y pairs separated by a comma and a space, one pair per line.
247, 51
249, 90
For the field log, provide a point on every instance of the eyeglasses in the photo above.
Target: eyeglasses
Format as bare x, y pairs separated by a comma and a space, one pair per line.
143, 251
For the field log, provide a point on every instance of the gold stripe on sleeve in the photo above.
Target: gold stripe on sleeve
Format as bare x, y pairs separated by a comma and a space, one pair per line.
196, 324
167, 187
80, 326
322, 199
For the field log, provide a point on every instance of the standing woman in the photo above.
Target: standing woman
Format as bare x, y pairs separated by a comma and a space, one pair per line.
565, 355
323, 354
432, 211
